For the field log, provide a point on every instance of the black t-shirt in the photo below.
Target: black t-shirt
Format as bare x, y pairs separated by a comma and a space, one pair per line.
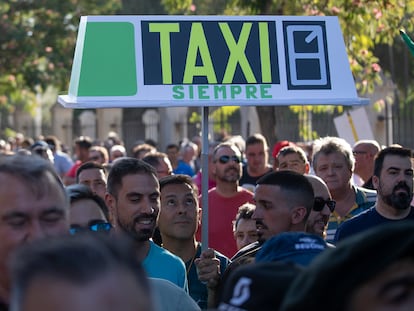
3, 306
249, 182
365, 220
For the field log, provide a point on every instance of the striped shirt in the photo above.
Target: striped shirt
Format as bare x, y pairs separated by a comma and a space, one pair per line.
364, 199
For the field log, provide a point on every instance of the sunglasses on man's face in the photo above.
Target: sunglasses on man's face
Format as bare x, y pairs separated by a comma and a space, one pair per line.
95, 227
225, 159
319, 203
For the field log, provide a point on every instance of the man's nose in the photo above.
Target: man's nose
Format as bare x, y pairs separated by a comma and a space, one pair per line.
148, 207
35, 231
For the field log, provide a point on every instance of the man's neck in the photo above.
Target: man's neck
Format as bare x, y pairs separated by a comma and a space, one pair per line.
227, 189
390, 212
185, 249
257, 172
366, 174
142, 248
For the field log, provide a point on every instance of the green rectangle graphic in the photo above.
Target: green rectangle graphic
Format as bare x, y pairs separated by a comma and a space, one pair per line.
108, 61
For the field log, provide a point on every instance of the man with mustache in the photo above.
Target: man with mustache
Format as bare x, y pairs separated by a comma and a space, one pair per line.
225, 198
133, 197
393, 179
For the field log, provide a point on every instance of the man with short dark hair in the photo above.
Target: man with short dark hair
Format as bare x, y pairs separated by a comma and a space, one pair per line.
284, 200
82, 146
393, 179
178, 221
244, 227
93, 175
370, 271
133, 196
33, 205
257, 163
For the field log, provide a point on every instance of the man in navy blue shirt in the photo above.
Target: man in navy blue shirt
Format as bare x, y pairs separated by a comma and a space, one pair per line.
393, 179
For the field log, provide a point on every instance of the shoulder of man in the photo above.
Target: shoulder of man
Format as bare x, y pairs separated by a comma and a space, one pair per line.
170, 297
364, 195
355, 224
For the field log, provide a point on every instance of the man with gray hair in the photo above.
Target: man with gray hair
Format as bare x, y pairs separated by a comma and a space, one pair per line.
33, 205
334, 162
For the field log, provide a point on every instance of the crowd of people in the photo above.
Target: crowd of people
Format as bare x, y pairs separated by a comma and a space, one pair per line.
106, 228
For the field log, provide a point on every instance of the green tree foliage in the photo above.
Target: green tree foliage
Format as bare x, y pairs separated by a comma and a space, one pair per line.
37, 45
369, 27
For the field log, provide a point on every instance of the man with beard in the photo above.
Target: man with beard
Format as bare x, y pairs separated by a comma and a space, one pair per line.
393, 179
133, 197
225, 199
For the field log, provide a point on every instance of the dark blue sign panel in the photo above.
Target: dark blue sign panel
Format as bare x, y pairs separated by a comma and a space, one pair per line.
209, 52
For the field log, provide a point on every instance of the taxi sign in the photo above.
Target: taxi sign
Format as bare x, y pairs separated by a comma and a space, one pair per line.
172, 61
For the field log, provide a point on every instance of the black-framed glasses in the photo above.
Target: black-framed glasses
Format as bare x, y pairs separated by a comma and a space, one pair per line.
94, 227
319, 203
225, 159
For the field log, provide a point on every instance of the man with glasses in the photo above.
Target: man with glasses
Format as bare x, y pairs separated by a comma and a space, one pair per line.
284, 200
178, 221
393, 179
323, 206
225, 199
99, 154
257, 158
161, 163
292, 158
88, 211
364, 152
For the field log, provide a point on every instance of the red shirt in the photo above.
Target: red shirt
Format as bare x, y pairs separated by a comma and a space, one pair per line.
221, 213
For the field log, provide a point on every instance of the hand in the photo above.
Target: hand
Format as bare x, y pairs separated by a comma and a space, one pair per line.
208, 268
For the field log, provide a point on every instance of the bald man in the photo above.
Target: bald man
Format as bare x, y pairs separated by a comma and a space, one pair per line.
317, 222
364, 152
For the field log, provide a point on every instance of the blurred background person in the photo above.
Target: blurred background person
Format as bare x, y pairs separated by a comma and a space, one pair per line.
244, 227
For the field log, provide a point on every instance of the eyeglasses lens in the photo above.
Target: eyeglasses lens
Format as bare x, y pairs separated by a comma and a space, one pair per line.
97, 227
225, 159
319, 203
